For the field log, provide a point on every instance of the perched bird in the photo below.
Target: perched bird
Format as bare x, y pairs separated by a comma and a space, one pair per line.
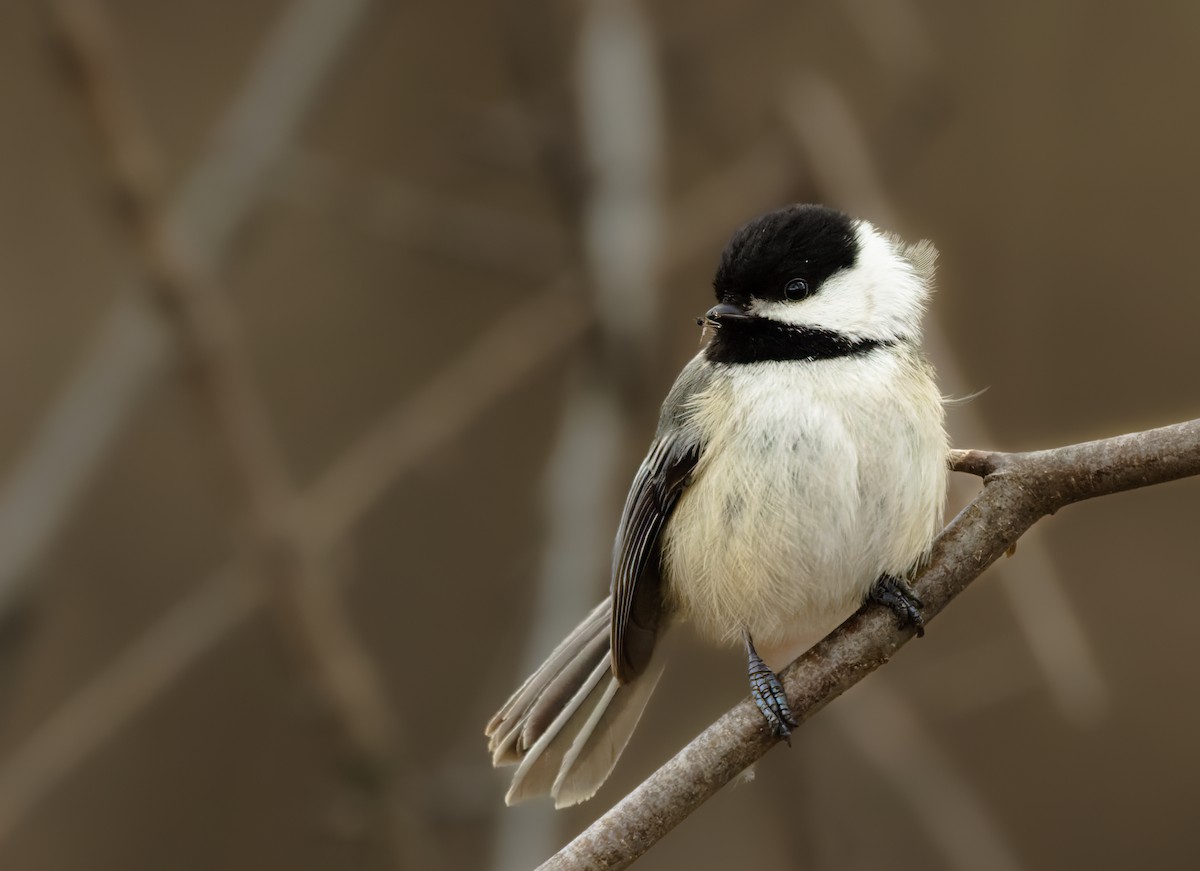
799, 468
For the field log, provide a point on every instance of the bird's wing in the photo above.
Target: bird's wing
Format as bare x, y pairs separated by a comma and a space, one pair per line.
636, 582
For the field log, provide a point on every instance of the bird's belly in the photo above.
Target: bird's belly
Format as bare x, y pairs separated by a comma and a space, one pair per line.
792, 515
771, 554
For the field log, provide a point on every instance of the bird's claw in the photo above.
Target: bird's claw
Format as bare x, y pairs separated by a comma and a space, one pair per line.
768, 694
896, 593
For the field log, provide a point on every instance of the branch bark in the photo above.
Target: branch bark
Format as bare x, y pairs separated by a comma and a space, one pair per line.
1019, 489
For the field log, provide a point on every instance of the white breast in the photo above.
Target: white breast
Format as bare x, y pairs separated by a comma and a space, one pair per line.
816, 479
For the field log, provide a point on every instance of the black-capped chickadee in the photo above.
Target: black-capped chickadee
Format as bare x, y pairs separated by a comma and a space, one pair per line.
798, 469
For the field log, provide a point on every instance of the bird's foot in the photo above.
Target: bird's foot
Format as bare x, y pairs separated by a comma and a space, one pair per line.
895, 593
768, 694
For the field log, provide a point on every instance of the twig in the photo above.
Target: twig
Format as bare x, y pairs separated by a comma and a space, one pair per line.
1022, 489
978, 463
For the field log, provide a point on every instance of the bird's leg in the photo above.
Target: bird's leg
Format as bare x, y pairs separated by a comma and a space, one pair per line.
895, 593
768, 694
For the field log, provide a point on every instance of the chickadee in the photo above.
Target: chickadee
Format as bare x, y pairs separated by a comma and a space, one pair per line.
799, 468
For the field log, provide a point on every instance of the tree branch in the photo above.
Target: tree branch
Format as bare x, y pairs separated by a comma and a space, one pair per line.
1019, 489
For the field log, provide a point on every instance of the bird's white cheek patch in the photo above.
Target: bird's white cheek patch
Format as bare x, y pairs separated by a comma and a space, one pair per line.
881, 297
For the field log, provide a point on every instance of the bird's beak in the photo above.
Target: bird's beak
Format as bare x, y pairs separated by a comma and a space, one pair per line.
726, 311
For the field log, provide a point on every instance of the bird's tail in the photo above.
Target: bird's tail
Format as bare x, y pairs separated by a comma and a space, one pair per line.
567, 725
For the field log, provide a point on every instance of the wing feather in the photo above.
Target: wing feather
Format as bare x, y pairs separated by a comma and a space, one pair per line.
637, 583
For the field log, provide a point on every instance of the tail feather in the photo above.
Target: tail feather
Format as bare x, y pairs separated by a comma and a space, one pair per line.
599, 745
576, 657
569, 722
539, 769
561, 691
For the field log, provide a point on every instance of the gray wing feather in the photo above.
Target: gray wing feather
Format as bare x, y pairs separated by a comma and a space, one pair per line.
637, 582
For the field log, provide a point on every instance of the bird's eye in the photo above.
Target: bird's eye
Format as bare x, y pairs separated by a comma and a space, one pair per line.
796, 288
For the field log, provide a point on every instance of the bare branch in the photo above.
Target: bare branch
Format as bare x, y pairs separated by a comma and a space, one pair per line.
980, 463
1025, 488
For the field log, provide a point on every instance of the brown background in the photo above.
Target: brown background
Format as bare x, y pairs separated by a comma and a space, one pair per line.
1049, 150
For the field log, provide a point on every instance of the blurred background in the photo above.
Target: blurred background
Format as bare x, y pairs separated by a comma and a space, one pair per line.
328, 361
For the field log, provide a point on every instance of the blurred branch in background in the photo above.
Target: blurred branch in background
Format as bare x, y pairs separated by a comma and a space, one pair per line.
395, 211
133, 345
622, 137
1019, 490
898, 37
495, 365
299, 586
121, 690
146, 708
886, 729
516, 346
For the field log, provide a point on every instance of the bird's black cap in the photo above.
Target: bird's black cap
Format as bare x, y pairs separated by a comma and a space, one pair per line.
809, 242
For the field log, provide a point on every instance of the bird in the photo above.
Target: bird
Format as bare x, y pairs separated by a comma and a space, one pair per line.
798, 470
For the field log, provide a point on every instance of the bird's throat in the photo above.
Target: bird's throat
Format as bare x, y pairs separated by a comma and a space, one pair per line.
759, 340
